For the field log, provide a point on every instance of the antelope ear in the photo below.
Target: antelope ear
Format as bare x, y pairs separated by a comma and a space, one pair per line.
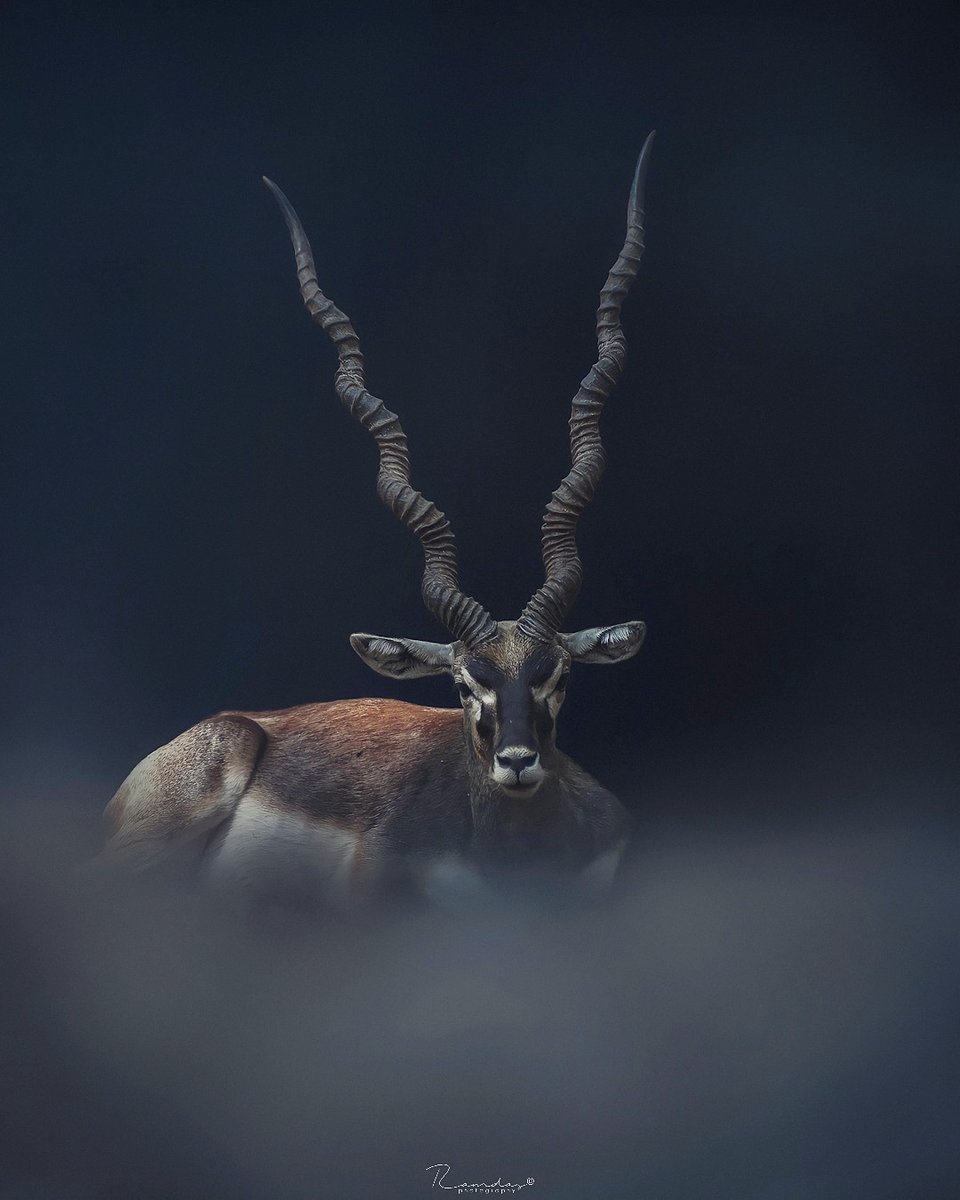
402, 658
608, 644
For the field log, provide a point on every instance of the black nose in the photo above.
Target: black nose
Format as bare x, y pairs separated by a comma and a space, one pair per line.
516, 762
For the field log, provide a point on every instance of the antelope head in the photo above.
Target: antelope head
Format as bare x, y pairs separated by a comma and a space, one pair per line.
511, 675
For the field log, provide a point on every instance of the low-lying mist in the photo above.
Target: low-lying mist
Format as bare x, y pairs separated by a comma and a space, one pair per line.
765, 1014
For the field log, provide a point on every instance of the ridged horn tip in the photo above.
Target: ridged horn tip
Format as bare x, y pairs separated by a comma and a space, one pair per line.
635, 205
297, 236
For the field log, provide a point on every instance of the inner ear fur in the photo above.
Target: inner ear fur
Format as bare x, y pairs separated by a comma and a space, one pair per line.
606, 643
402, 658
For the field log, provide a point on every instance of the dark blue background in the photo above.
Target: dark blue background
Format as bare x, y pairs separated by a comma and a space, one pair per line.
190, 524
193, 517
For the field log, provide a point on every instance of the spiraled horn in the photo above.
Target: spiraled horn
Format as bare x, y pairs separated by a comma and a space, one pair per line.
544, 614
467, 620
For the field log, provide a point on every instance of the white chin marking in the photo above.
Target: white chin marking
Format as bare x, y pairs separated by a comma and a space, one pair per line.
507, 782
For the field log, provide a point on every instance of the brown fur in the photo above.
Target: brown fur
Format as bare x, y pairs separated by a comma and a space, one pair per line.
398, 777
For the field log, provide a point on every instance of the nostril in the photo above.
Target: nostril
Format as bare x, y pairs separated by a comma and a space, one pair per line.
516, 762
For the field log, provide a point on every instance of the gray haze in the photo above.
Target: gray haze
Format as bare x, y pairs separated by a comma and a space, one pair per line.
190, 524
763, 1014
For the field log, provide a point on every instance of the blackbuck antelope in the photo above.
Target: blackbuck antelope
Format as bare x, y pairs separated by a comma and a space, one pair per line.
354, 800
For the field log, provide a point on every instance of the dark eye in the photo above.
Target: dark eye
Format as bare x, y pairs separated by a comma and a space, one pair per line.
464, 691
562, 682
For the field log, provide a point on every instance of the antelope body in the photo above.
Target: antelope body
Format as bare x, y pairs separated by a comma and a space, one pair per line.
357, 800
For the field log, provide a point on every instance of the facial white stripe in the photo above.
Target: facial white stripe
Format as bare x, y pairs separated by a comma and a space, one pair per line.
484, 695
547, 689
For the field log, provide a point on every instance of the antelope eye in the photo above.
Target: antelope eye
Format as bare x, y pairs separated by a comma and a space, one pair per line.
464, 691
562, 682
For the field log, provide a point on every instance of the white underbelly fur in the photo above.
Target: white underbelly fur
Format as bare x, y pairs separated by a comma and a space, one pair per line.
265, 853
263, 850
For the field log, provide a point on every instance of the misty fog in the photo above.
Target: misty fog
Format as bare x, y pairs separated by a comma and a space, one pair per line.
763, 1012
